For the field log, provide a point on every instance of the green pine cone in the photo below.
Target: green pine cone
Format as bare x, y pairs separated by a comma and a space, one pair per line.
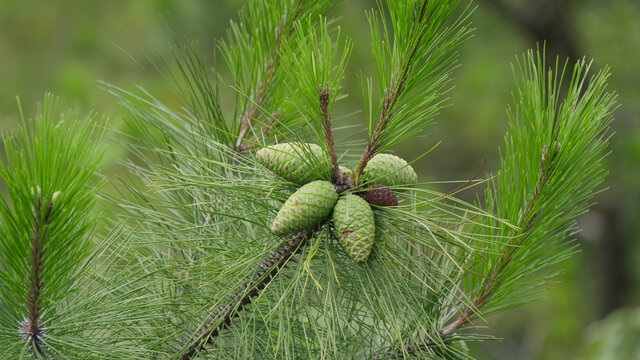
355, 224
308, 206
389, 170
296, 162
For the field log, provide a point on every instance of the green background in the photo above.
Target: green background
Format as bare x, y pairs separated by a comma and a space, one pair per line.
67, 46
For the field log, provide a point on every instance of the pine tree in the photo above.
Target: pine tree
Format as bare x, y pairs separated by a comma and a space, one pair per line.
224, 243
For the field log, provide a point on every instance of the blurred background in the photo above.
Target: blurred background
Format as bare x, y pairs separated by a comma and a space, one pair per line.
593, 311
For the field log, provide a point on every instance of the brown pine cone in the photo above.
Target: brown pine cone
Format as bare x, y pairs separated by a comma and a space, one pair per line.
379, 195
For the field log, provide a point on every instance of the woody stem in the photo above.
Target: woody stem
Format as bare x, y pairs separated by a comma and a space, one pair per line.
33, 330
222, 318
323, 99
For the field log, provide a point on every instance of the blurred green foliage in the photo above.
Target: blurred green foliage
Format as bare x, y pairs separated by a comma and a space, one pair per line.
615, 337
67, 46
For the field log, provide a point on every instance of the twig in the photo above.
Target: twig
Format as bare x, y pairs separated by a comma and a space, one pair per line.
323, 99
391, 97
32, 329
271, 69
239, 301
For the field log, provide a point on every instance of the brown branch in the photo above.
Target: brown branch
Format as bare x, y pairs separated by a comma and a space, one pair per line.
286, 27
31, 329
391, 97
323, 100
239, 301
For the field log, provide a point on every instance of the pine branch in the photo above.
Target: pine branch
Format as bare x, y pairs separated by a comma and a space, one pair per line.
222, 318
32, 329
323, 99
49, 168
540, 198
426, 256
494, 280
397, 87
285, 30
470, 312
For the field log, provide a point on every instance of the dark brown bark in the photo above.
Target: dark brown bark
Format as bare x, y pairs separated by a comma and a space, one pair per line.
323, 100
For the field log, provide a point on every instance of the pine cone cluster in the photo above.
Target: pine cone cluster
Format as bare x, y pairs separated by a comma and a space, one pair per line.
314, 202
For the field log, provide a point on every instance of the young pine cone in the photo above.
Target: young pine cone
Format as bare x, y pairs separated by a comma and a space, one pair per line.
310, 205
296, 162
389, 170
355, 224
379, 195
